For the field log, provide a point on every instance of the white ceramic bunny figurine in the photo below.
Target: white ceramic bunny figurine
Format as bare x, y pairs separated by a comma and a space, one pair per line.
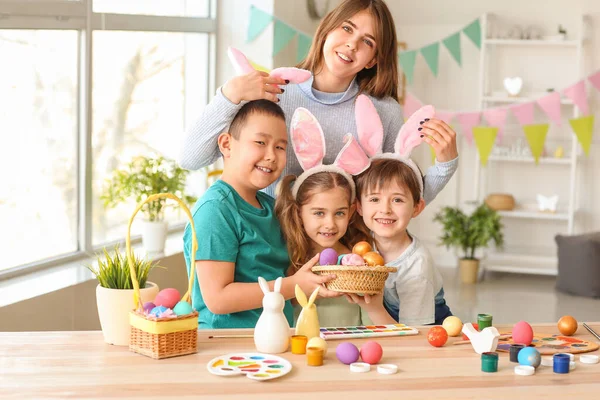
308, 320
272, 331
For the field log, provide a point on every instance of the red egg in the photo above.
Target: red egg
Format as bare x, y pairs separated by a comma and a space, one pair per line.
522, 333
437, 336
167, 298
371, 352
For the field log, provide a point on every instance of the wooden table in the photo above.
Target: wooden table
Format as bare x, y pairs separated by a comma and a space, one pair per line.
80, 365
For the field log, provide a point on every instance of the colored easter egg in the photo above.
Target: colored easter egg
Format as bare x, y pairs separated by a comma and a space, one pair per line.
319, 343
352, 259
453, 325
183, 308
437, 336
156, 311
361, 248
476, 326
347, 353
328, 257
167, 298
373, 259
529, 356
148, 306
371, 352
522, 333
567, 325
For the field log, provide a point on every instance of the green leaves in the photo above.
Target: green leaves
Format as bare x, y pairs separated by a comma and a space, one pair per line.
113, 271
470, 232
145, 176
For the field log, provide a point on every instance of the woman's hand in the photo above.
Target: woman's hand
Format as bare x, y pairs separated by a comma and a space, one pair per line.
441, 137
253, 86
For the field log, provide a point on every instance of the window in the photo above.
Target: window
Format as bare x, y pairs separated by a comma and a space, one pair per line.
150, 64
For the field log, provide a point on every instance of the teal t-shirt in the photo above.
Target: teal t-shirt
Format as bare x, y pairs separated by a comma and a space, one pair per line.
230, 229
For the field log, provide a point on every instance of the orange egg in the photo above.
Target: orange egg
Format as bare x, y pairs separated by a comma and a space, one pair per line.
567, 325
361, 248
373, 259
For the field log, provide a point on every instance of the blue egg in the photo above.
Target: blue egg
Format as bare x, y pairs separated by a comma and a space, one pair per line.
183, 308
529, 356
156, 311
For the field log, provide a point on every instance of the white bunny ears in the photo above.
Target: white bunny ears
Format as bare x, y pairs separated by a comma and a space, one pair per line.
243, 66
264, 285
308, 142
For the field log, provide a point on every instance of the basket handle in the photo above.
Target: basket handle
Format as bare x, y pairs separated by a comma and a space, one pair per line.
137, 299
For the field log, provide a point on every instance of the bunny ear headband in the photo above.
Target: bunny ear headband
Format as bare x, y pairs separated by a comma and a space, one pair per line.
243, 66
308, 143
370, 134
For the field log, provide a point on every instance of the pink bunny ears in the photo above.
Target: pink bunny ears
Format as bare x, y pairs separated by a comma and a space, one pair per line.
308, 142
243, 66
370, 133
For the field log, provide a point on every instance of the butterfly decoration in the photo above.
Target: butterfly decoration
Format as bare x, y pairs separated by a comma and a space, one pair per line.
547, 204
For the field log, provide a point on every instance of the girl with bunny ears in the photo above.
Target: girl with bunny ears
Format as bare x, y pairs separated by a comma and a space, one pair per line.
316, 208
353, 51
389, 195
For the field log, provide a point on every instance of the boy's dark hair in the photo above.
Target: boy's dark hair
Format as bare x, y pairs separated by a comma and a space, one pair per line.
264, 107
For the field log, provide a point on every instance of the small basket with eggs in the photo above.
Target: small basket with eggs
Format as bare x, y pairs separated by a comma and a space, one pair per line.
362, 271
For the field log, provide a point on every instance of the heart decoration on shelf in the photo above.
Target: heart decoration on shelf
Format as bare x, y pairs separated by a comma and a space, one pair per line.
513, 85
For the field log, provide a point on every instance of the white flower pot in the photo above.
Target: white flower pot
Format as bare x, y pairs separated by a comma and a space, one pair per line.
113, 309
154, 235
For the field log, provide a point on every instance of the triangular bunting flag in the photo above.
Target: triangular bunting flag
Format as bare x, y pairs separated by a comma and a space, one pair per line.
551, 106
445, 116
281, 36
524, 113
407, 61
473, 32
258, 22
496, 117
431, 54
468, 121
485, 137
536, 136
584, 129
452, 43
595, 80
411, 104
432, 152
259, 67
303, 47
578, 95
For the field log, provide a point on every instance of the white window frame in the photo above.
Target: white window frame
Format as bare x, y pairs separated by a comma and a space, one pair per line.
79, 15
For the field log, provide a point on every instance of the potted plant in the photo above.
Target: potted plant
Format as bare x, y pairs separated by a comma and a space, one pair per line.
114, 293
468, 233
142, 177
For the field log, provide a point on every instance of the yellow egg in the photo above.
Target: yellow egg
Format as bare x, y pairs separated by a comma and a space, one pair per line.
361, 248
373, 259
567, 325
317, 342
453, 325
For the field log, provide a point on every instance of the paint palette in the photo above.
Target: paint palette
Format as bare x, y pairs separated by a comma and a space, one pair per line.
367, 331
256, 366
552, 344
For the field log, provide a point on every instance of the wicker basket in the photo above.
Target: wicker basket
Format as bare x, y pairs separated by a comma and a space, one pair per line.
355, 278
162, 337
500, 201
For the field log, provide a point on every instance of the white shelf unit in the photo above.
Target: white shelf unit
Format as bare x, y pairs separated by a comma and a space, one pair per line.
524, 260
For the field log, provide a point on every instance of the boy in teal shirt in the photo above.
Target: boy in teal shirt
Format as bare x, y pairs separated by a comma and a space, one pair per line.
239, 237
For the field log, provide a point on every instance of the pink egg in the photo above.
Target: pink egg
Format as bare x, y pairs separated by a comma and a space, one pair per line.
522, 333
371, 352
352, 259
328, 257
167, 298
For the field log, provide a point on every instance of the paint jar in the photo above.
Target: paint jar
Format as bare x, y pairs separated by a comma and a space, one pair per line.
514, 350
314, 356
560, 363
483, 321
299, 344
489, 362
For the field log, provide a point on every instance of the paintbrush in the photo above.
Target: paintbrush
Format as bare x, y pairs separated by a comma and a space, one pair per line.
591, 331
501, 337
230, 336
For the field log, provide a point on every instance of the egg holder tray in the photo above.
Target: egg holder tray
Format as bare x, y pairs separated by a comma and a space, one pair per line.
162, 337
360, 279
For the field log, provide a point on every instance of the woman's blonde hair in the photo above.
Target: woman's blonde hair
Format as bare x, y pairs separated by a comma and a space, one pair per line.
379, 81
288, 212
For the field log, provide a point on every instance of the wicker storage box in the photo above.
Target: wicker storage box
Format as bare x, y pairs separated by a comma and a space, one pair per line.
355, 278
500, 201
162, 337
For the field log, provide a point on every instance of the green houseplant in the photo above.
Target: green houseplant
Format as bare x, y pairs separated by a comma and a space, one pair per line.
114, 293
469, 233
141, 178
